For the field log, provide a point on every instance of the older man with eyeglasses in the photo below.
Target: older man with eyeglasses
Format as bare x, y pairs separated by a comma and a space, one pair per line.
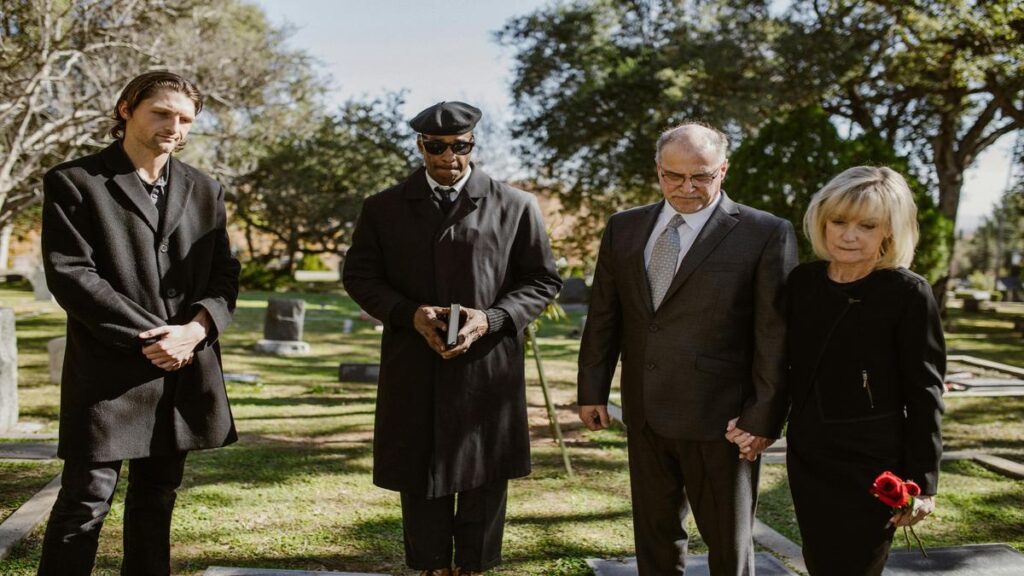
688, 292
451, 425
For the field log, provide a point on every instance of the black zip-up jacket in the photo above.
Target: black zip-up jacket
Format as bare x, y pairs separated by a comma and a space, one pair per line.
867, 362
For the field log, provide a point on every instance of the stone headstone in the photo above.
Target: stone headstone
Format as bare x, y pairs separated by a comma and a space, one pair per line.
55, 348
39, 289
283, 327
351, 372
696, 565
574, 291
284, 320
8, 370
973, 300
282, 347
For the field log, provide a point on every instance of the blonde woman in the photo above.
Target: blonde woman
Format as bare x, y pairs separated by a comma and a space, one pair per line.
867, 359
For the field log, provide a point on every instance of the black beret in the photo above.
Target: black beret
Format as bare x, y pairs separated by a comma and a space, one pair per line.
446, 119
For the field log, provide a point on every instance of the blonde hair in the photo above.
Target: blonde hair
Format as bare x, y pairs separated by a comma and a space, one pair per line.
864, 190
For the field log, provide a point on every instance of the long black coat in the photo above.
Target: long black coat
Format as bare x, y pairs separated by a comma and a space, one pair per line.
444, 426
118, 269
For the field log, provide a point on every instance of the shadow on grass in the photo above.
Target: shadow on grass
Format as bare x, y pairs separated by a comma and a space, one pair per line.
258, 460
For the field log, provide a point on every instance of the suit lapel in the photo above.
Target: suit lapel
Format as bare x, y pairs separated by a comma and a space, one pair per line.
478, 186
179, 191
426, 215
127, 181
648, 219
714, 231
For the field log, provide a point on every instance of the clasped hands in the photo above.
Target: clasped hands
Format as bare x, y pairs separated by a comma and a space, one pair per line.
173, 349
595, 417
429, 322
750, 445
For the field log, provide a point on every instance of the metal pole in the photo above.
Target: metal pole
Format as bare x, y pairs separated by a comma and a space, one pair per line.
556, 430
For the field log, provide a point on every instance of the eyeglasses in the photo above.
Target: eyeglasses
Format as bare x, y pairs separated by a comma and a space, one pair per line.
437, 147
698, 180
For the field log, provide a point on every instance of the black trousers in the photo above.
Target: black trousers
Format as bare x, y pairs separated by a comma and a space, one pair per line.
471, 522
669, 477
87, 489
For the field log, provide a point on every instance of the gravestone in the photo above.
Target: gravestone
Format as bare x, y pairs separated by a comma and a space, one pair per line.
283, 327
972, 302
353, 372
8, 370
39, 289
56, 348
574, 291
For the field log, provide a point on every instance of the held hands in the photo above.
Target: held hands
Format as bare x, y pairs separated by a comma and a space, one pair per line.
750, 445
431, 323
923, 506
594, 416
174, 344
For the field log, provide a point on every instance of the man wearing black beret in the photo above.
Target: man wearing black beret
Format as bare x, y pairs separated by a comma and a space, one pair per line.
451, 425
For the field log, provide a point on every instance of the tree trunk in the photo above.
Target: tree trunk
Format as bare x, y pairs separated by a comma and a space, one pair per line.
951, 183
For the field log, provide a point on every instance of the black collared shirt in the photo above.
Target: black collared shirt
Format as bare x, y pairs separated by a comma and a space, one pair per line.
158, 190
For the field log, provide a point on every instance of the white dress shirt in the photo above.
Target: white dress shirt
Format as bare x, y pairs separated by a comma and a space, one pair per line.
688, 230
458, 186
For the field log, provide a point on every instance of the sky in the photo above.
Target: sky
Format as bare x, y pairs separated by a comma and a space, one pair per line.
445, 50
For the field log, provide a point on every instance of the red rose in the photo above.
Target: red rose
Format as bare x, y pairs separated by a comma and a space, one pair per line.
912, 488
890, 489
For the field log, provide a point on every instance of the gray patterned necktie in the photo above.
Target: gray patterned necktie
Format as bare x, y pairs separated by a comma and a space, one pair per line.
662, 267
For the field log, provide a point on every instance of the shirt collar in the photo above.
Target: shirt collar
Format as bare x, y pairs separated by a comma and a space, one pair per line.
695, 221
459, 184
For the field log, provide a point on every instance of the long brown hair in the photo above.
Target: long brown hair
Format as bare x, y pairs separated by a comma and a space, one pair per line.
146, 85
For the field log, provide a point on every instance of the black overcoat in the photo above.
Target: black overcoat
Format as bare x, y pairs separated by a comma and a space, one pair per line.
119, 269
444, 426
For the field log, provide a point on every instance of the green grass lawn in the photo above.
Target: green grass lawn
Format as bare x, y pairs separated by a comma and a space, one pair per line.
295, 492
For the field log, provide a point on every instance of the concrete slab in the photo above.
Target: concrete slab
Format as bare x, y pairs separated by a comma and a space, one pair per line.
20, 523
28, 451
696, 565
987, 382
222, 571
978, 560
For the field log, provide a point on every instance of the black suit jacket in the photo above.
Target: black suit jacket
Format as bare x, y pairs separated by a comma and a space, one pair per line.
714, 349
118, 269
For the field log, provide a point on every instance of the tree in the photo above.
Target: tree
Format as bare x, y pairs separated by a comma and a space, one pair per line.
941, 79
937, 80
307, 190
596, 82
63, 63
792, 158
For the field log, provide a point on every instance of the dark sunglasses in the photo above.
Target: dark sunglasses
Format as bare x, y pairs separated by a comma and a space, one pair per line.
437, 147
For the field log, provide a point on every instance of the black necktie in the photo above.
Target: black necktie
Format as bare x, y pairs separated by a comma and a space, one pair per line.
445, 198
